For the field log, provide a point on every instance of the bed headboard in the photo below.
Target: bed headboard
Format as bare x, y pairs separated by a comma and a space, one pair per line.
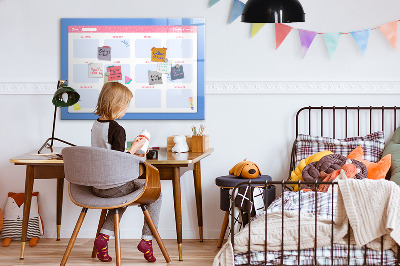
344, 121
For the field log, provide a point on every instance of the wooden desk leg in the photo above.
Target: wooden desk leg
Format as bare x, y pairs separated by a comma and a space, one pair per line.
60, 191
27, 206
176, 183
199, 204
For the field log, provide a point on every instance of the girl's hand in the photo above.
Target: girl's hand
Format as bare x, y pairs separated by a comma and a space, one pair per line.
137, 144
143, 155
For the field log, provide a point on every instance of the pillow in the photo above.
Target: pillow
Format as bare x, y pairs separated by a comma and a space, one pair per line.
375, 170
372, 144
296, 174
393, 148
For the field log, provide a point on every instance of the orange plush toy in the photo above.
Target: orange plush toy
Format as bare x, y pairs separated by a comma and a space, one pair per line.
245, 169
13, 215
375, 170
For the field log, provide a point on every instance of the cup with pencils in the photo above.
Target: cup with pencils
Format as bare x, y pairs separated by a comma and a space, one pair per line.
199, 140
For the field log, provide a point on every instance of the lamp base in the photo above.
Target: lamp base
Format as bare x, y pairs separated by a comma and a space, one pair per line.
50, 146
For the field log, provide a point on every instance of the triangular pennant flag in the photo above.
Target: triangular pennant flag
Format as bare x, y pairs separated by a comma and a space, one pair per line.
306, 39
281, 31
332, 41
361, 37
213, 2
389, 30
237, 9
256, 27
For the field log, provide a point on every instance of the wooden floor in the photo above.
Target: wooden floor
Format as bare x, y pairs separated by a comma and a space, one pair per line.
50, 252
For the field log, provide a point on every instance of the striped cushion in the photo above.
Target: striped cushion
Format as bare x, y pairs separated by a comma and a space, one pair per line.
372, 145
13, 228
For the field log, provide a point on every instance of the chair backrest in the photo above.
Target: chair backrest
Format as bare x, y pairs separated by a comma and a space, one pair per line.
92, 166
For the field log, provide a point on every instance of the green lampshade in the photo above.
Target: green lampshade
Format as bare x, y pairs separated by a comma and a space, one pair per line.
73, 96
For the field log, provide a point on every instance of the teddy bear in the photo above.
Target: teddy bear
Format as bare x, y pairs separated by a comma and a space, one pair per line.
13, 215
180, 144
245, 169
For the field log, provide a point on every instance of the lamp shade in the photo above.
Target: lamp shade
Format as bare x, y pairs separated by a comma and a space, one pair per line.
273, 11
73, 97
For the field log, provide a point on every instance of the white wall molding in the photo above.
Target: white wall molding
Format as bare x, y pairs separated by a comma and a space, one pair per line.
303, 87
250, 87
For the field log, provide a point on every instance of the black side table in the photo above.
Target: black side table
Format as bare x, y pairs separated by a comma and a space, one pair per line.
226, 183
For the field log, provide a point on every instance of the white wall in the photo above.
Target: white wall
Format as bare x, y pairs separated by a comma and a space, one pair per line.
257, 127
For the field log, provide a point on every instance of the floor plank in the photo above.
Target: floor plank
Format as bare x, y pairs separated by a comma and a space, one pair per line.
50, 252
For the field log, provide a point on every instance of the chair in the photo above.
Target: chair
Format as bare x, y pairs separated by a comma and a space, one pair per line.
85, 167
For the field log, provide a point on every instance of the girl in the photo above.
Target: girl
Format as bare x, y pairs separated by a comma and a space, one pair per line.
106, 133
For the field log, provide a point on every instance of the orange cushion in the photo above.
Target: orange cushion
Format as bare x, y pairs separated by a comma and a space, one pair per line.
375, 170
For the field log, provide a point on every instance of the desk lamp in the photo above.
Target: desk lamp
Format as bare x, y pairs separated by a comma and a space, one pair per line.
58, 101
273, 11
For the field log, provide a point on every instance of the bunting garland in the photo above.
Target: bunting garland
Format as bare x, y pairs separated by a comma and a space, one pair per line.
389, 30
213, 2
237, 8
281, 31
306, 39
332, 41
256, 27
361, 37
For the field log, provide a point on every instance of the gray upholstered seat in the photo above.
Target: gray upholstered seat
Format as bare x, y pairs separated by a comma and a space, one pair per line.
83, 196
87, 167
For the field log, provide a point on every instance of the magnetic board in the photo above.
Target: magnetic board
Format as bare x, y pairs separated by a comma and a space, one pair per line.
160, 60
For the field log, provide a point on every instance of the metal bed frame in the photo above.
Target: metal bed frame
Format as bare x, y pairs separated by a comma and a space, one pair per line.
283, 184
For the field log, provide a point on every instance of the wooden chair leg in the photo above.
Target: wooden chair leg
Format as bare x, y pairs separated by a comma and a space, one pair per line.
117, 238
223, 229
154, 230
73, 237
101, 222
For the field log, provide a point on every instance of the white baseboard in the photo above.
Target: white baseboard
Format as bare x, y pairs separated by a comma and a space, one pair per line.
247, 87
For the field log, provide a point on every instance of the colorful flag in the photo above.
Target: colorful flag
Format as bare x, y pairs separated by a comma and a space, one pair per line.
256, 27
361, 37
213, 2
306, 39
389, 30
281, 31
237, 9
332, 41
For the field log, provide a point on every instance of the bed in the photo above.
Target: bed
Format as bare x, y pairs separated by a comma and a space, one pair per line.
298, 227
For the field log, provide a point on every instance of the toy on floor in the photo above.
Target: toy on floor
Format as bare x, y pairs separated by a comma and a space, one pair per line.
245, 169
180, 144
13, 215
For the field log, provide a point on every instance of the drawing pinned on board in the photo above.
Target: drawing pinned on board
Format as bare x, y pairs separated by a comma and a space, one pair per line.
104, 53
191, 103
127, 80
115, 73
95, 70
158, 54
106, 77
164, 68
77, 107
177, 72
125, 42
155, 78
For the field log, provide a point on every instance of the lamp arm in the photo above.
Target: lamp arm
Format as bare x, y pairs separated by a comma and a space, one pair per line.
54, 126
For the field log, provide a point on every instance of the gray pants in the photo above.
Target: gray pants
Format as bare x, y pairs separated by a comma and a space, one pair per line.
154, 208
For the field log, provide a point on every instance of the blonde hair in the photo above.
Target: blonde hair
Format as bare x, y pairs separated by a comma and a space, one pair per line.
113, 99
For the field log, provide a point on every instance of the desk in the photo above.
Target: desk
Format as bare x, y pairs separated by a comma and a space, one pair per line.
170, 165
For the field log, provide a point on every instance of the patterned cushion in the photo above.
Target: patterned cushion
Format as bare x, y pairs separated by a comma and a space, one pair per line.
372, 144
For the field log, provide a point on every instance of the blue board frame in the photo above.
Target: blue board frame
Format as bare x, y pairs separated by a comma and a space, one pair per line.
199, 22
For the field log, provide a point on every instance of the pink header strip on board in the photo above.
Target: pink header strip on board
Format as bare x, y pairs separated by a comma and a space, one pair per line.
132, 29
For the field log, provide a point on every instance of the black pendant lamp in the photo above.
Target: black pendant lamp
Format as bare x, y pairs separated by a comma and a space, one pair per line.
273, 11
